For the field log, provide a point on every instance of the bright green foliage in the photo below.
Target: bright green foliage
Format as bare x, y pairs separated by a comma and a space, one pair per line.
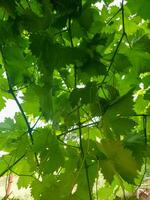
118, 159
140, 8
83, 73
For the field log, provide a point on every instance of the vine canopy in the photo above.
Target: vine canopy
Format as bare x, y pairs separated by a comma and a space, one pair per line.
79, 72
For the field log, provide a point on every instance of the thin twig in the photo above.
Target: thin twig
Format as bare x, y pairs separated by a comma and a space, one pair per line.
122, 13
113, 58
36, 122
123, 24
129, 43
70, 33
20, 107
85, 162
76, 177
83, 125
12, 165
26, 175
82, 154
68, 145
21, 88
60, 32
72, 45
119, 43
79, 122
102, 88
122, 186
67, 85
142, 178
145, 129
96, 123
113, 16
145, 141
77, 128
136, 115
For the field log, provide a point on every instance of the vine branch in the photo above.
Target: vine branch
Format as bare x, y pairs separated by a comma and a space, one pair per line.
119, 43
11, 91
12, 165
145, 129
113, 16
79, 122
77, 128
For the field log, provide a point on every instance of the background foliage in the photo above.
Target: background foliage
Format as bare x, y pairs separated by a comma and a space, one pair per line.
84, 73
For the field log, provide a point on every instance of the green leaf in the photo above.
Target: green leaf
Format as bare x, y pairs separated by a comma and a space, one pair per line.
55, 54
140, 60
141, 105
121, 63
142, 44
20, 122
55, 57
8, 5
146, 81
76, 29
82, 185
30, 102
117, 113
8, 140
87, 17
85, 95
99, 107
51, 155
93, 67
134, 140
108, 170
16, 62
46, 101
7, 125
120, 159
68, 8
36, 189
122, 126
6, 31
107, 192
140, 8
147, 95
24, 181
123, 106
32, 22
113, 93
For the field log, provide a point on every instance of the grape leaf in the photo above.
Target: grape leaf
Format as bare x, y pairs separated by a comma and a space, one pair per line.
121, 63
16, 62
86, 95
140, 8
120, 159
7, 125
122, 106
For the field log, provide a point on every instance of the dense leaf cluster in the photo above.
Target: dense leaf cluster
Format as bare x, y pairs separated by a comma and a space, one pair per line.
82, 69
